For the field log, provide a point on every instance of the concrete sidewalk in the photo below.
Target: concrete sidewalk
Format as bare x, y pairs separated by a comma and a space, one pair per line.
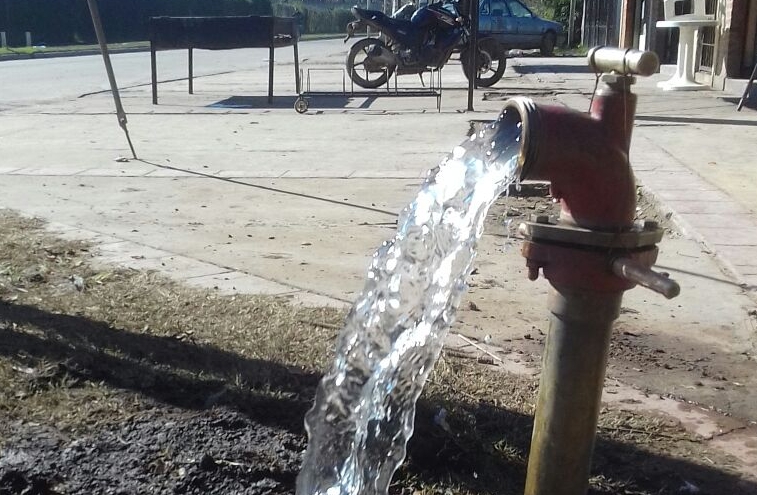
691, 150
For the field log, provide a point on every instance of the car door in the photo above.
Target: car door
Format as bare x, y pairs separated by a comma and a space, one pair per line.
528, 26
495, 20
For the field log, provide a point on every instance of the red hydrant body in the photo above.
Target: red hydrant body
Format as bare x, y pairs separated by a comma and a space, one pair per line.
585, 157
591, 255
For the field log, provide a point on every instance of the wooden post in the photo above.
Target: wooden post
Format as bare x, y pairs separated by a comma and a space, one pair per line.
627, 22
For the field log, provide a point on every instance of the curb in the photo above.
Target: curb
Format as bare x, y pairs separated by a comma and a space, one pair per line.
77, 53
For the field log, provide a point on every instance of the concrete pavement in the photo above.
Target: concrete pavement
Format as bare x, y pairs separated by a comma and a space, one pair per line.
690, 150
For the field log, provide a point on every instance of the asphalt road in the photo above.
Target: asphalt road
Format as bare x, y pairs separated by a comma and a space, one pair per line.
34, 81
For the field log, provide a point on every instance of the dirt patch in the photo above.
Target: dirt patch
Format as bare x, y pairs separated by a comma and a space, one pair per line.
161, 451
117, 381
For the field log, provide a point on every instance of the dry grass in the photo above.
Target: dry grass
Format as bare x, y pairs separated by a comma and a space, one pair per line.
83, 345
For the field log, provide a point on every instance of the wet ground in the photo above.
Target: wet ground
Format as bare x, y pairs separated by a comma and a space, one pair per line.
165, 451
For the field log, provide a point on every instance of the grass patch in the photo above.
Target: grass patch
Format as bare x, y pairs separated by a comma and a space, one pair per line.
117, 47
87, 348
114, 47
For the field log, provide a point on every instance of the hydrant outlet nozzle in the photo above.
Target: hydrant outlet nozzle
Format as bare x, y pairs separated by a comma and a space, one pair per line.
604, 59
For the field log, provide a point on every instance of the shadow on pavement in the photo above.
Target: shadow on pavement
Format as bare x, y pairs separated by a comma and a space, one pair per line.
503, 94
750, 102
696, 120
335, 101
581, 68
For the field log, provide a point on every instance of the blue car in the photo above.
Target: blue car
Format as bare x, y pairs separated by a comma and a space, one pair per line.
513, 25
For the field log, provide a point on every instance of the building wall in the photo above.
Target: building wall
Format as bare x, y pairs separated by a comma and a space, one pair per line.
729, 54
600, 22
735, 44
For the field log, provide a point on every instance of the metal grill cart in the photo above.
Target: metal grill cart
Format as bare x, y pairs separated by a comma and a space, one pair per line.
222, 33
390, 89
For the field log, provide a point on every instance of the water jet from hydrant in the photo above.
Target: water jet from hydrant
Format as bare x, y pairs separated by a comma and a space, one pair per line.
364, 408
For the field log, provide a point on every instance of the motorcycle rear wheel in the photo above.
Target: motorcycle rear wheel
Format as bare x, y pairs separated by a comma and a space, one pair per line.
365, 71
491, 63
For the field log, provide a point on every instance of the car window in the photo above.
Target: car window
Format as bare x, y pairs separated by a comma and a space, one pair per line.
518, 9
497, 8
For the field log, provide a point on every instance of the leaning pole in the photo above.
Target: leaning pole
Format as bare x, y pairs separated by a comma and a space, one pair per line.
93, 10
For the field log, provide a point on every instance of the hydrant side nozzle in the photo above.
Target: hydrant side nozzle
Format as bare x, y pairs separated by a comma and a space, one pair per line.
522, 110
634, 271
625, 61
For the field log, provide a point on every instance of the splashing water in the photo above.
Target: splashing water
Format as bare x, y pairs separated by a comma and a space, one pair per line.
364, 407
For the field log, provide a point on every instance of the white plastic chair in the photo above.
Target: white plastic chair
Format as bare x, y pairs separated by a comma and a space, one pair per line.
698, 10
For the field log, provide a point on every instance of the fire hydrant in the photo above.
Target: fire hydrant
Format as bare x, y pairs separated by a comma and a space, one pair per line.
591, 254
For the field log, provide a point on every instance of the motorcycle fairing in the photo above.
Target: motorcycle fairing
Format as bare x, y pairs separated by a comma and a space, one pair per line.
400, 30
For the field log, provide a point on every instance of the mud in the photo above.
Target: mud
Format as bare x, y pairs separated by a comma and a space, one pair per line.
166, 451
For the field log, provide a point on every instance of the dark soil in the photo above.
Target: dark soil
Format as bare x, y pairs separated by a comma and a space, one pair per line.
164, 451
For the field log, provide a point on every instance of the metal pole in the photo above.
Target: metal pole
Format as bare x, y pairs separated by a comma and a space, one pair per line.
583, 23
472, 50
109, 69
190, 71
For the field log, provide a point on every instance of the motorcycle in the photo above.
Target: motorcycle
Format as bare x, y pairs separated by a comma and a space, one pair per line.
424, 41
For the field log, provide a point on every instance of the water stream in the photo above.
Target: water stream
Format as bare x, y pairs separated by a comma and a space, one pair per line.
364, 407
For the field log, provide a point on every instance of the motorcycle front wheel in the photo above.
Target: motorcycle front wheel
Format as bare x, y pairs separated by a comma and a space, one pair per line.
490, 64
364, 68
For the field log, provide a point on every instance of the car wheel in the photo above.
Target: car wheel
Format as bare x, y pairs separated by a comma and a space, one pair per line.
548, 43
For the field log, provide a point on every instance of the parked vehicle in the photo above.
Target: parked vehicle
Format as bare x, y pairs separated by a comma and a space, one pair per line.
513, 25
425, 41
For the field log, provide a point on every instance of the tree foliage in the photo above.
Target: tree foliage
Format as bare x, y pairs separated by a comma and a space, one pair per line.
58, 22
557, 10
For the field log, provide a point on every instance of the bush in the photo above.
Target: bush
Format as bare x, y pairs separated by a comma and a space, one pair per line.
317, 19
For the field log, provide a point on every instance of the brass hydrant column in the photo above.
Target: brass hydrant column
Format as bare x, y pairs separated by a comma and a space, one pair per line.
591, 254
575, 357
